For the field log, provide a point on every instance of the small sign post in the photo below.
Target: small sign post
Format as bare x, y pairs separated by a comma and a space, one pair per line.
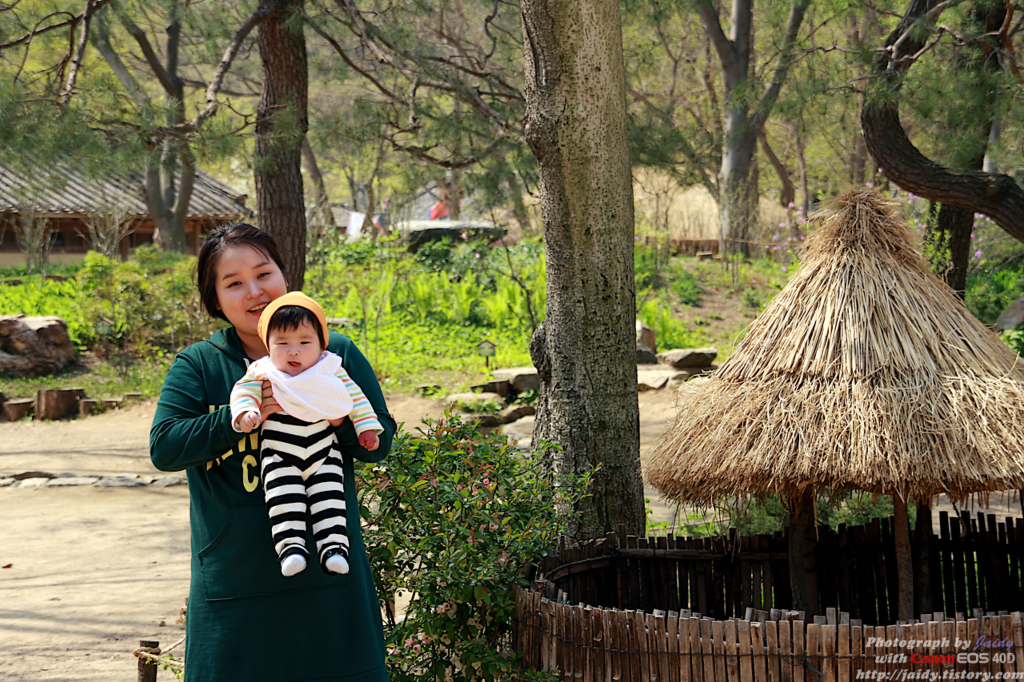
488, 349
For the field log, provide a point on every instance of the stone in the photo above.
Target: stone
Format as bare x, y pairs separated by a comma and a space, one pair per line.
168, 481
33, 474
31, 483
428, 389
484, 420
88, 406
645, 356
520, 430
34, 346
689, 357
705, 255
119, 482
132, 397
57, 402
1012, 317
645, 337
111, 403
341, 322
521, 378
469, 399
656, 377
17, 409
515, 413
61, 482
502, 388
6, 482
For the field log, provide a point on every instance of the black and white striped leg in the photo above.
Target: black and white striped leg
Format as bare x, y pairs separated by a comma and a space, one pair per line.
326, 491
286, 503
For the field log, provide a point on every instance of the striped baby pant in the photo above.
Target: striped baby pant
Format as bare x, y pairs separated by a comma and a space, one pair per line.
303, 479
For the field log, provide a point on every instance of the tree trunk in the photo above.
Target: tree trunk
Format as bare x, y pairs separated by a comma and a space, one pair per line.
280, 127
803, 554
952, 232
586, 348
734, 193
904, 562
322, 201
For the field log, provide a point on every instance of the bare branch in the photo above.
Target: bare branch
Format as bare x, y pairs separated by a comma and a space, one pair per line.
60, 24
150, 54
258, 17
764, 107
712, 24
76, 61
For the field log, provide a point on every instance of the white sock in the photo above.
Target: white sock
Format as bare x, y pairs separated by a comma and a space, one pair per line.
295, 563
336, 564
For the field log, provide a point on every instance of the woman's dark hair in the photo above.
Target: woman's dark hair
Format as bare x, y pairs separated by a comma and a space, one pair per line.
290, 317
217, 242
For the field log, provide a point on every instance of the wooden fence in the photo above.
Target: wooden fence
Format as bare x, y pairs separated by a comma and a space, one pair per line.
587, 644
972, 563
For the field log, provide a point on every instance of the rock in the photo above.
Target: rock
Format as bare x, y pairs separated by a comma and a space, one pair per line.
132, 397
1012, 317
33, 474
657, 377
470, 399
705, 255
484, 420
428, 389
515, 413
88, 406
645, 356
57, 402
502, 388
341, 322
34, 346
168, 481
31, 483
110, 403
521, 378
645, 337
16, 409
6, 482
119, 482
61, 482
689, 357
520, 430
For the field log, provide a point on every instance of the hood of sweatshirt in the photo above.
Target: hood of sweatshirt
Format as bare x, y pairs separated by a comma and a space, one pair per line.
227, 342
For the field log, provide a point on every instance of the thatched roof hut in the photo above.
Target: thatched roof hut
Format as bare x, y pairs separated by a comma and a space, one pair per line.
866, 372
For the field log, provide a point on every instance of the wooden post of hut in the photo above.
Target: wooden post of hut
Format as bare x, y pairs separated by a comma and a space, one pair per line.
803, 552
866, 372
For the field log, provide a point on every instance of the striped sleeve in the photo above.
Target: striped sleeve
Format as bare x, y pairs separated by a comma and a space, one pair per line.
247, 395
363, 417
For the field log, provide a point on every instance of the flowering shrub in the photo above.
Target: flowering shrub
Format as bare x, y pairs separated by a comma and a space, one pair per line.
454, 516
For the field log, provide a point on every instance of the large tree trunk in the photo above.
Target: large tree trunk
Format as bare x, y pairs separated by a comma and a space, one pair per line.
281, 125
586, 348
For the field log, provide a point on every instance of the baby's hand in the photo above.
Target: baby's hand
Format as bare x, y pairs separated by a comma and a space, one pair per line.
369, 440
249, 421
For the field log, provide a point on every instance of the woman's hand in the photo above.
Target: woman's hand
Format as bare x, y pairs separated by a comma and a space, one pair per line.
269, 405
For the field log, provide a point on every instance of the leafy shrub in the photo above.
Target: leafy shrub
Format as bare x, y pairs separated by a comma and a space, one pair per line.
669, 332
453, 517
990, 292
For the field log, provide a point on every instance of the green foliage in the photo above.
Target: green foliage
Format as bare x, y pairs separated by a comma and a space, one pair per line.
669, 331
452, 518
1014, 338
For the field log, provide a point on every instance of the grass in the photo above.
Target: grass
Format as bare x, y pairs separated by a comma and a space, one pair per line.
100, 378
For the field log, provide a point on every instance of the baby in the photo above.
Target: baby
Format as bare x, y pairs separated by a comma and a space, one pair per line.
301, 465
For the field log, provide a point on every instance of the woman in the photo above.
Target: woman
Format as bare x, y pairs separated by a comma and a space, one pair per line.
245, 620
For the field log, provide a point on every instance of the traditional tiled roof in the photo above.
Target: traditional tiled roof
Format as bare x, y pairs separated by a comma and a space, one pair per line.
67, 191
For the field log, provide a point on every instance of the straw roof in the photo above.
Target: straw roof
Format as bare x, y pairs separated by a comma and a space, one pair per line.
866, 372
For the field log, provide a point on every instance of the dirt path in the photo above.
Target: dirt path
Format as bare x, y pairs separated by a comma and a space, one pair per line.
94, 570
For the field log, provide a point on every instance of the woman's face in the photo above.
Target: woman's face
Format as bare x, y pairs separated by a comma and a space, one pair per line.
247, 280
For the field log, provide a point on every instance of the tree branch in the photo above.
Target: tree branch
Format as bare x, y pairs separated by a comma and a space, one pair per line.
102, 42
995, 195
97, 6
725, 47
76, 61
764, 107
257, 17
151, 56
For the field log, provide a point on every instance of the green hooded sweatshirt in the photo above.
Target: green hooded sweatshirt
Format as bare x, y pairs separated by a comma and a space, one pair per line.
246, 622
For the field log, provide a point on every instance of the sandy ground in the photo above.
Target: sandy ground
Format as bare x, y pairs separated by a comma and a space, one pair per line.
94, 570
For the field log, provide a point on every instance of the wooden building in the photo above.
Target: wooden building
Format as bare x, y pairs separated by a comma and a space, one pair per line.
68, 198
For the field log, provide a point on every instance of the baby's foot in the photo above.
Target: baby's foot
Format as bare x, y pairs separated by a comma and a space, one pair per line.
296, 563
336, 564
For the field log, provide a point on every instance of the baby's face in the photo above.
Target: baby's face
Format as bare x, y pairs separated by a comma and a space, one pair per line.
293, 351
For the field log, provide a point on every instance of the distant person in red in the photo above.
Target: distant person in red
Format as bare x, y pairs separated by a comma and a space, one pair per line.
438, 212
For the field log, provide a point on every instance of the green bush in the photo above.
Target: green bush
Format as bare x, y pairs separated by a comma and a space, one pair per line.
669, 331
452, 518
